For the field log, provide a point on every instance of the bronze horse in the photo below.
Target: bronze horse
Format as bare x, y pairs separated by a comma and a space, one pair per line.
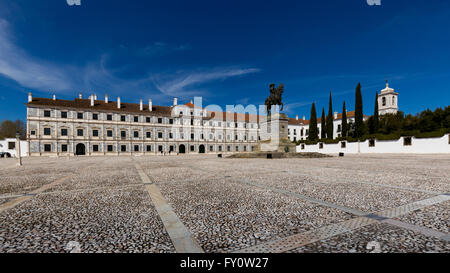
274, 98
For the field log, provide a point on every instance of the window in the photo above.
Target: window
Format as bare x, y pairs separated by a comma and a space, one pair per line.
63, 132
109, 133
211, 148
95, 116
303, 146
192, 122
229, 148
123, 134
339, 129
47, 131
95, 148
33, 133
170, 121
192, 136
343, 144
384, 101
11, 145
79, 115
95, 133
192, 148
170, 135
136, 148
110, 148
63, 148
220, 148
136, 134
160, 148
237, 148
407, 141
236, 137
149, 148
47, 114
321, 145
47, 148
371, 142
245, 148
393, 100
63, 114
160, 135
80, 132
109, 117
220, 124
123, 118
147, 119
123, 148
149, 135
136, 119
160, 120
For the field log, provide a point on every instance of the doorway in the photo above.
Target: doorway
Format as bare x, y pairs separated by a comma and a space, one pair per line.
80, 149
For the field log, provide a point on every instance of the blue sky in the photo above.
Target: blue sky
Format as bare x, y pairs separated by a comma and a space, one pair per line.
228, 52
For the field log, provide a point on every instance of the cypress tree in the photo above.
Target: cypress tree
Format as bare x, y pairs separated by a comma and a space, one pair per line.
344, 122
323, 122
359, 124
376, 118
313, 131
330, 119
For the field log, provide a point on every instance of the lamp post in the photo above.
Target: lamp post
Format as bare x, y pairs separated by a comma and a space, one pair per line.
19, 156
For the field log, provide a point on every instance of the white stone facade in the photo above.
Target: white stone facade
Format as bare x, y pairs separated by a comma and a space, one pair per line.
387, 101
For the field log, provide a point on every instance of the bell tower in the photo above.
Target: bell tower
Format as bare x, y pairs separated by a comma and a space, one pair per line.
387, 101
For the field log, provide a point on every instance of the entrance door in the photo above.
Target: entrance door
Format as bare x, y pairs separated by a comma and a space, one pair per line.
201, 149
182, 149
80, 149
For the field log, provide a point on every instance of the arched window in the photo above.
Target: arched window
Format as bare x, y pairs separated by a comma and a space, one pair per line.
384, 101
393, 100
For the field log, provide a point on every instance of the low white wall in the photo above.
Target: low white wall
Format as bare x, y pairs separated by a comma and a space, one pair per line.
13, 152
418, 146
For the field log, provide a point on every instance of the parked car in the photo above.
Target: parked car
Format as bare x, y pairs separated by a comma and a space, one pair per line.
3, 155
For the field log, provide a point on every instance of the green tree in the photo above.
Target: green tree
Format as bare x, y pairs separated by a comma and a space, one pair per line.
330, 119
359, 124
376, 117
344, 122
313, 130
323, 122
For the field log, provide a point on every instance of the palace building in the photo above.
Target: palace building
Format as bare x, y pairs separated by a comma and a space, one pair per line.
103, 127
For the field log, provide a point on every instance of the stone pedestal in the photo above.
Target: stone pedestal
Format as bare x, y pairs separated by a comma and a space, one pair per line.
274, 134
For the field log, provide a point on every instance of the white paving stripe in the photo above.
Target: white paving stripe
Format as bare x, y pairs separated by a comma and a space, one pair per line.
178, 233
306, 238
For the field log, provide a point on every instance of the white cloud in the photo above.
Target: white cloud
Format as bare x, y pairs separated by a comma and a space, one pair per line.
37, 74
186, 83
27, 71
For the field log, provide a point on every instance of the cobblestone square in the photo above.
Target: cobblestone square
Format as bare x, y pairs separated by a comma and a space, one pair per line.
201, 203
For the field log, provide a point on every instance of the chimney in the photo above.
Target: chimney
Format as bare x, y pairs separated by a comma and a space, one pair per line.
335, 115
304, 117
106, 98
80, 96
296, 117
141, 105
92, 100
150, 105
95, 97
30, 97
175, 102
118, 102
54, 97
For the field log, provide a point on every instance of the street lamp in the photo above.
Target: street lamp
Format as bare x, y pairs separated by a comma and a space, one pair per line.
18, 152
